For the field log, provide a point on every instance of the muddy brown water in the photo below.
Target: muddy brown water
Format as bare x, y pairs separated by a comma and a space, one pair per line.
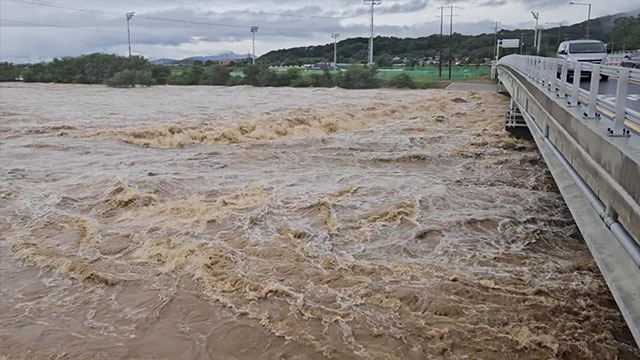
278, 223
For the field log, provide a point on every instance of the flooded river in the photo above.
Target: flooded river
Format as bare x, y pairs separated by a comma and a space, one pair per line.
278, 223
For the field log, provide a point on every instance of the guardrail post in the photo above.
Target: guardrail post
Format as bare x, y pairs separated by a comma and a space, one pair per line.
575, 89
563, 79
552, 74
621, 104
532, 68
593, 91
547, 73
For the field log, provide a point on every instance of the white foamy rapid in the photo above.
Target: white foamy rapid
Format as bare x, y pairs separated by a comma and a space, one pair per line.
246, 223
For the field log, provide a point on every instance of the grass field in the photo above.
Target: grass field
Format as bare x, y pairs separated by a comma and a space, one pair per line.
430, 73
420, 75
427, 74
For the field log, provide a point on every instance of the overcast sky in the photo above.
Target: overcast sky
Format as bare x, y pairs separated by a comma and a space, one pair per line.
41, 29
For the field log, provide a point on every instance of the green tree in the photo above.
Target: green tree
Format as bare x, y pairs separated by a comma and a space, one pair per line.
626, 32
251, 75
358, 77
86, 69
402, 80
125, 78
160, 74
384, 60
216, 75
8, 72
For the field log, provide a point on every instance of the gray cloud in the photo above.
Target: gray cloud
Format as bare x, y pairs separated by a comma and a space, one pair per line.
204, 28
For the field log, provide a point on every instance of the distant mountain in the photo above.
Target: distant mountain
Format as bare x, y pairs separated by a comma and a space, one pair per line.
476, 48
163, 61
190, 60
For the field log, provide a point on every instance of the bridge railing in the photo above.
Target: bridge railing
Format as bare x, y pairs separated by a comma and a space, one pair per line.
553, 75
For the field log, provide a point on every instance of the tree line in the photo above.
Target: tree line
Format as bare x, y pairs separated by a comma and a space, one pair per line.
118, 71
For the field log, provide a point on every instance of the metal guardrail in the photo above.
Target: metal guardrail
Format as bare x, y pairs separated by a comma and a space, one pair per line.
552, 74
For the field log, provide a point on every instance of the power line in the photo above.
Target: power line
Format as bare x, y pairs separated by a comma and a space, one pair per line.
153, 18
66, 27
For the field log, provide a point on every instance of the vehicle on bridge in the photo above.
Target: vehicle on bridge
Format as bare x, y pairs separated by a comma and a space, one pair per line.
632, 60
591, 51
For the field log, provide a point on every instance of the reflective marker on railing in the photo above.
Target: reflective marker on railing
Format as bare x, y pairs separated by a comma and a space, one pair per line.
593, 91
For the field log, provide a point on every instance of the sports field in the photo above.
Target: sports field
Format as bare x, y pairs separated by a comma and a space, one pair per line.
418, 74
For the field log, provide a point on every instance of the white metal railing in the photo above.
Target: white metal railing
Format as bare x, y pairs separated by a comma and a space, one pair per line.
551, 75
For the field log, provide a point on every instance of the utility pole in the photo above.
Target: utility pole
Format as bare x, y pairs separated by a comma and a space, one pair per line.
559, 26
521, 41
129, 17
495, 41
540, 31
588, 16
440, 43
254, 30
371, 3
451, 41
536, 36
335, 37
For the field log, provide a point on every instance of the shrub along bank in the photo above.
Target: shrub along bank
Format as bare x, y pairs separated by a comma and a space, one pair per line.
353, 77
118, 71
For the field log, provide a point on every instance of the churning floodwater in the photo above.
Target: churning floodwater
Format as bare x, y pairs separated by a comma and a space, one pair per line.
279, 223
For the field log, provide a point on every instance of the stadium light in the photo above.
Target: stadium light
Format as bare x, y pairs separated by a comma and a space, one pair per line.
536, 36
335, 37
588, 15
254, 30
559, 26
129, 17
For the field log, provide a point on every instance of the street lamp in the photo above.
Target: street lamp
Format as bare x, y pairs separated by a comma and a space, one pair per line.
129, 17
254, 30
536, 36
372, 3
559, 26
588, 15
335, 37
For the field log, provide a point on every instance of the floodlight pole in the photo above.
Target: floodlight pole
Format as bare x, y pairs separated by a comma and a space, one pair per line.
451, 41
129, 16
588, 16
559, 26
440, 42
536, 36
254, 30
372, 3
495, 41
335, 37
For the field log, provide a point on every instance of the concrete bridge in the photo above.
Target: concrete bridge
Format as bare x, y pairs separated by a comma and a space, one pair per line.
591, 144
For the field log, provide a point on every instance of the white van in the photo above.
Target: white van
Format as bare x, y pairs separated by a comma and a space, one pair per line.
592, 51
